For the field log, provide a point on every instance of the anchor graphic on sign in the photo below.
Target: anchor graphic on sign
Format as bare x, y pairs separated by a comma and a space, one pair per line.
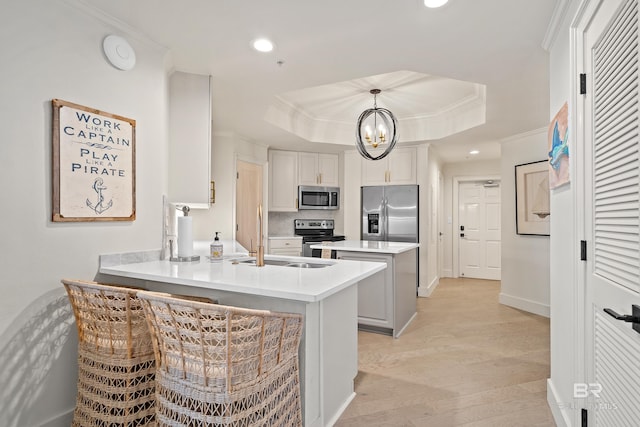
98, 186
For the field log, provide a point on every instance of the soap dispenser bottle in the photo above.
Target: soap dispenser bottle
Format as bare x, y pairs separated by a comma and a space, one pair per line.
215, 249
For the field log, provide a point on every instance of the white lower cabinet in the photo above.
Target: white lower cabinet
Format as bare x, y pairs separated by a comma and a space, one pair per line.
387, 299
285, 246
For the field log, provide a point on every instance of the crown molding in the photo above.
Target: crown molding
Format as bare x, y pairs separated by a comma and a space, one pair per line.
119, 25
554, 27
523, 135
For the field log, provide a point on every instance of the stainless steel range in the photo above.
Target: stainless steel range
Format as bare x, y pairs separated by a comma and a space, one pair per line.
314, 231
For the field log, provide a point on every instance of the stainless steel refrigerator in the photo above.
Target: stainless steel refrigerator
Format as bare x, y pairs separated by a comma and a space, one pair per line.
390, 213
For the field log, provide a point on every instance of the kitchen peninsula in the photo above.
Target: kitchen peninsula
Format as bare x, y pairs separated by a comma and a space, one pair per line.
324, 291
387, 299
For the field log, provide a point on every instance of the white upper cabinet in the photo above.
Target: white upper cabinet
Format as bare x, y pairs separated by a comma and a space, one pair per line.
190, 139
318, 169
402, 166
399, 167
283, 181
308, 168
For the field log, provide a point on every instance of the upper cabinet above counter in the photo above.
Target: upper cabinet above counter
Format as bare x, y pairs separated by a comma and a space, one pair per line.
289, 169
398, 168
190, 139
318, 169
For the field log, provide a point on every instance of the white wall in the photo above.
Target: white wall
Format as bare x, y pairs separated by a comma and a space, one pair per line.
567, 358
428, 179
482, 168
525, 259
350, 194
226, 148
51, 50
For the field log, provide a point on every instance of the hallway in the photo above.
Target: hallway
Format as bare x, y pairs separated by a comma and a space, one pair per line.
465, 360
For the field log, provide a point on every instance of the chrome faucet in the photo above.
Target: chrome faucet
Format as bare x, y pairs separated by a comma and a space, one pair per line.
259, 253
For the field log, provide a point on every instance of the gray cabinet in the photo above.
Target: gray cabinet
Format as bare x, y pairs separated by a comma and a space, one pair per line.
386, 300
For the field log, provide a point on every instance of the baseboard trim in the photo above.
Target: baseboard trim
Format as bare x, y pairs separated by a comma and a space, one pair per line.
447, 273
62, 419
555, 404
340, 410
524, 304
428, 290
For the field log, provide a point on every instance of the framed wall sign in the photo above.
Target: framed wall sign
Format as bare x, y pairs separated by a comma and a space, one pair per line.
94, 169
532, 198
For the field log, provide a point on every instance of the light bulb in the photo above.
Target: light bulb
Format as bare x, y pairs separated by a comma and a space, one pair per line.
263, 45
435, 3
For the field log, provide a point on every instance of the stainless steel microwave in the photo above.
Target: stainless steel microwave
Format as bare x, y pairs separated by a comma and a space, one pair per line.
312, 197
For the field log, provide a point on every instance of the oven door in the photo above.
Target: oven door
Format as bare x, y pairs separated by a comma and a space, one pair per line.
317, 253
306, 249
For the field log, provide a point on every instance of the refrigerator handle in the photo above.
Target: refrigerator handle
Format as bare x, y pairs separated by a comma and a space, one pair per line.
385, 220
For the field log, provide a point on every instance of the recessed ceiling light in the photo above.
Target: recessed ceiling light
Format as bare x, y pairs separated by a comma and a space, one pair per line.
435, 3
263, 45
474, 152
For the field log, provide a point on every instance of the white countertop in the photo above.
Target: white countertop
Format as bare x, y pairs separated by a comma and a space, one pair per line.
300, 284
368, 246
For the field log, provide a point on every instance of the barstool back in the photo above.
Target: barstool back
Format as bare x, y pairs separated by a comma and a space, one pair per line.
220, 365
116, 362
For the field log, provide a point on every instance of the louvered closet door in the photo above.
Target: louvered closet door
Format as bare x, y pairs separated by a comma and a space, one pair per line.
613, 226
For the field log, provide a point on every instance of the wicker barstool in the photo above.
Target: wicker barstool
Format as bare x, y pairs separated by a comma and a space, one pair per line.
221, 366
116, 362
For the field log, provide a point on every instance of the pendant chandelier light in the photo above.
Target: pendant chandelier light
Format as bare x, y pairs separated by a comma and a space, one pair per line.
376, 127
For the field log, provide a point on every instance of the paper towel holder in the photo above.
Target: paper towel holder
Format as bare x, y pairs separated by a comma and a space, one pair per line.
185, 209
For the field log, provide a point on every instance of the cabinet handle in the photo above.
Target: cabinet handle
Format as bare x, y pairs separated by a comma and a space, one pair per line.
389, 176
320, 175
296, 203
213, 193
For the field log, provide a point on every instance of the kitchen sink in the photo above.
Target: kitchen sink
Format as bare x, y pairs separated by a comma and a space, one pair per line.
252, 261
306, 265
284, 263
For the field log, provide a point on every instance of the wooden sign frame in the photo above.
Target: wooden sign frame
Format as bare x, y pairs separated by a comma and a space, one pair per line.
94, 165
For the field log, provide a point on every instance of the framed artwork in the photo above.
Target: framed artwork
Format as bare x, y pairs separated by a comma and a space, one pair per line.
94, 169
558, 138
532, 198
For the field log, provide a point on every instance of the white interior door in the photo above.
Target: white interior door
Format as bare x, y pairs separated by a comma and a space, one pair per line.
479, 230
612, 214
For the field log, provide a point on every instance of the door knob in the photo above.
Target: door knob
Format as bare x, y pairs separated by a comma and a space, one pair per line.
633, 318
461, 234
